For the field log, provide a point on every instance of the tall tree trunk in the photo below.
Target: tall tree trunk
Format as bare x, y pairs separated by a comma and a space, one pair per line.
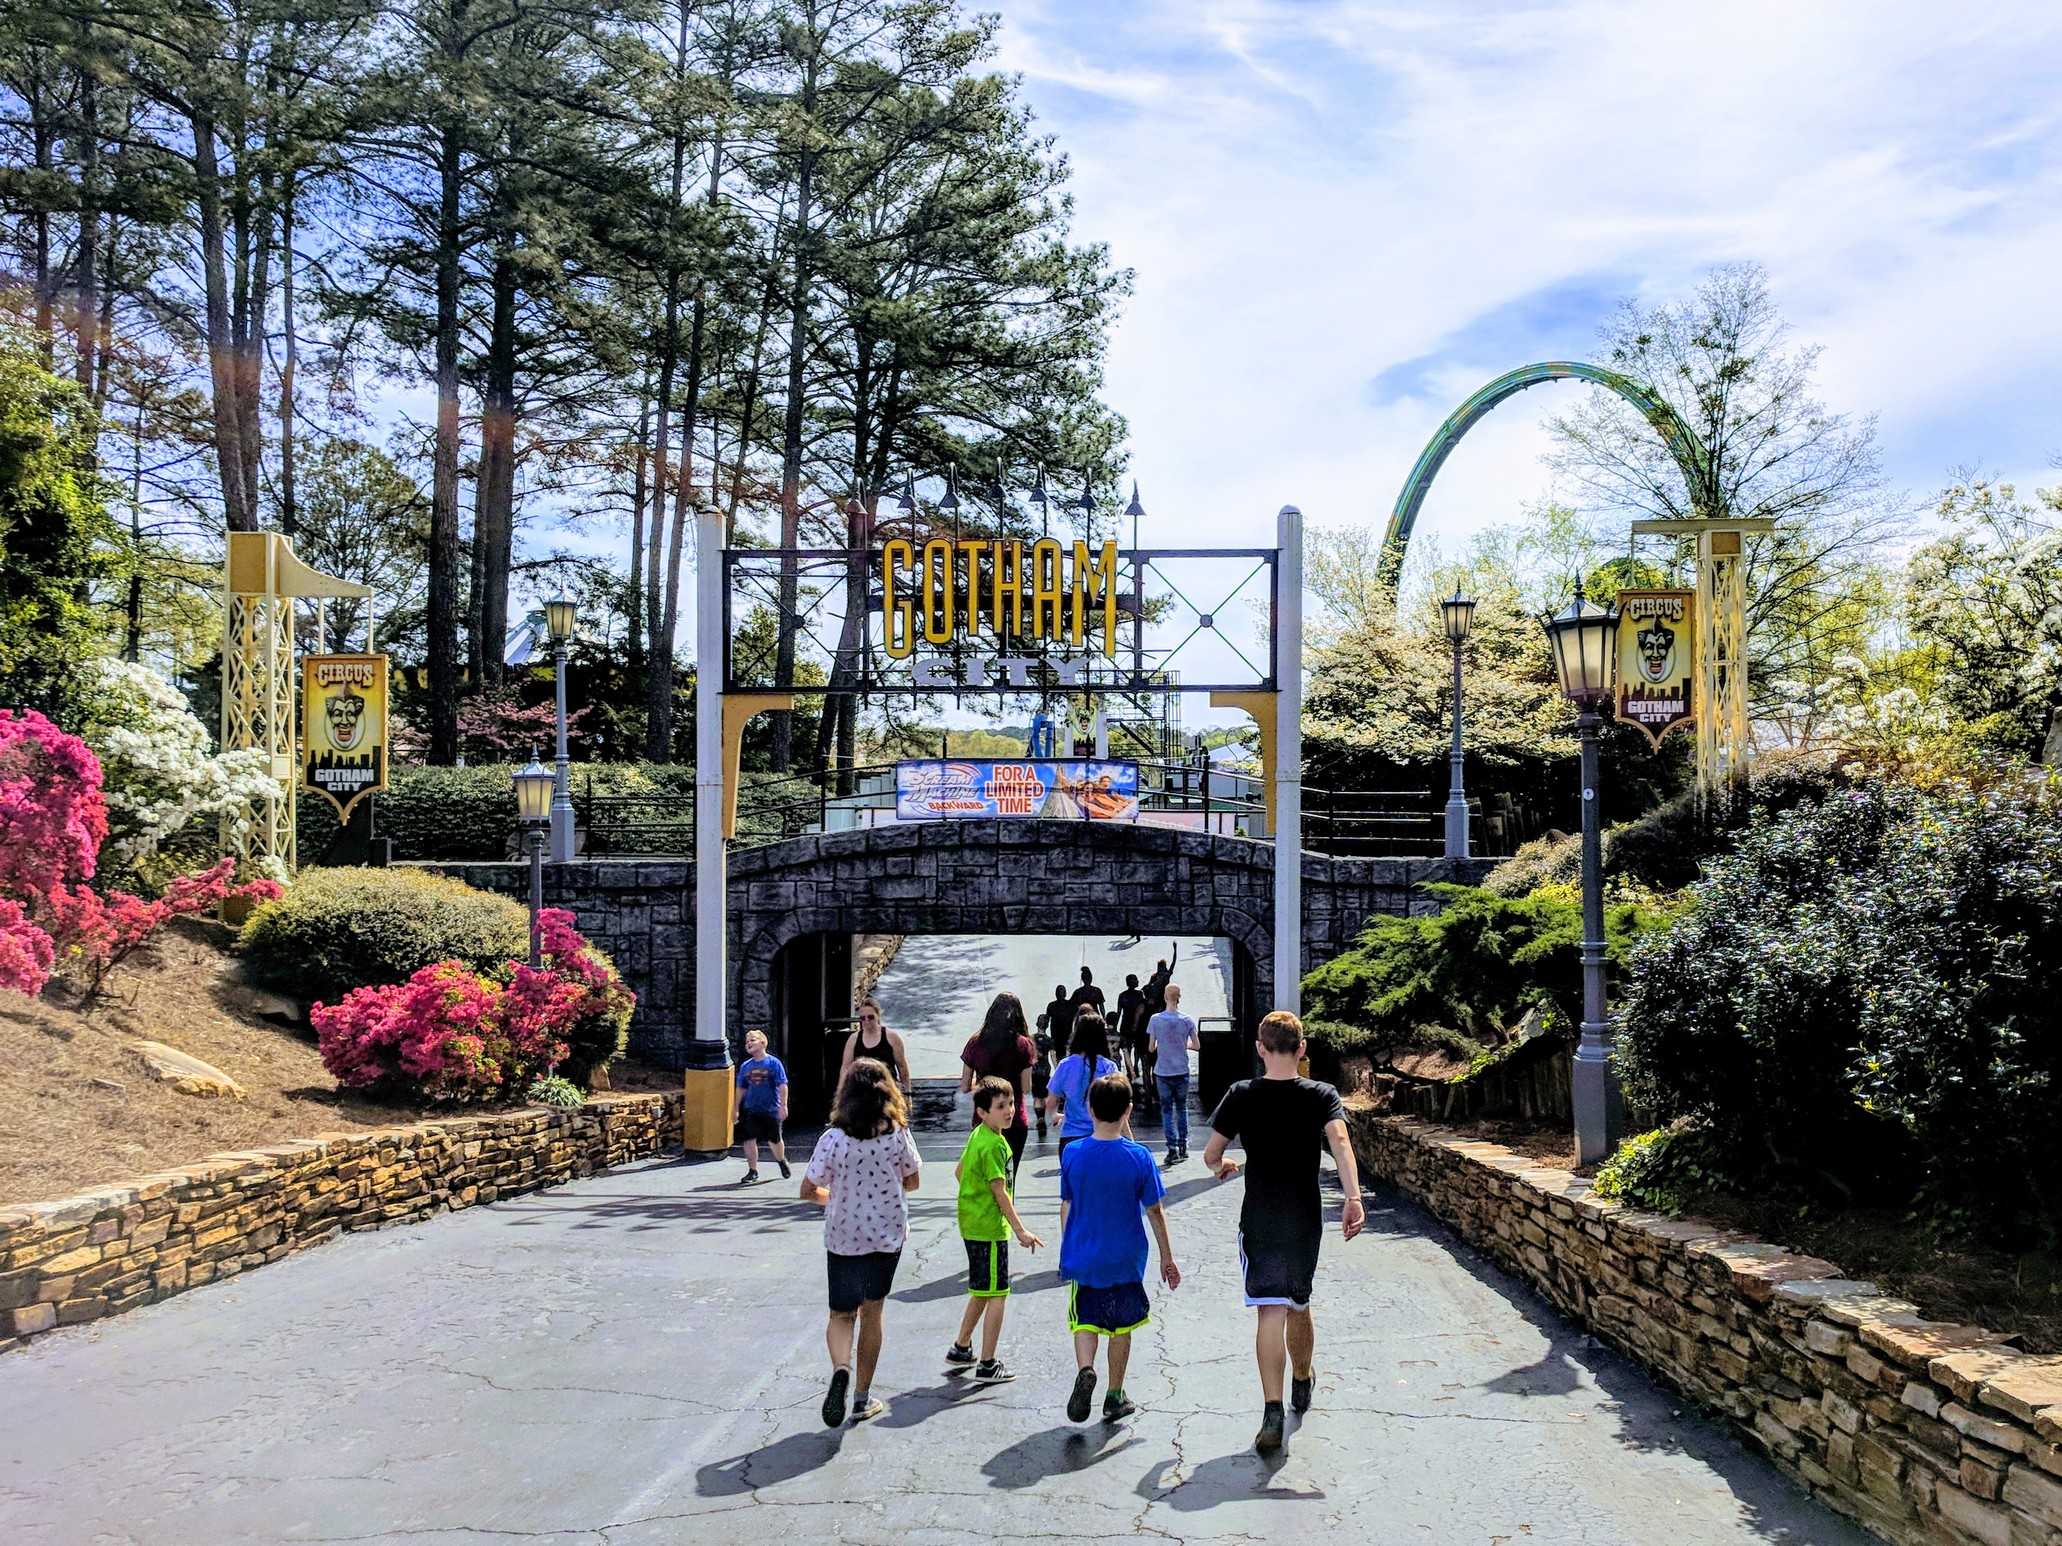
44, 134
658, 676
494, 502
634, 644
86, 303
289, 509
442, 604
791, 443
237, 510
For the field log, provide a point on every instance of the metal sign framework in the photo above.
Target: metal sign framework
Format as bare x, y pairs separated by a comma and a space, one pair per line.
1151, 660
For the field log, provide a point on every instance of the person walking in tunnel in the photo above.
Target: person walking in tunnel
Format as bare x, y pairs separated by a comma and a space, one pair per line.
874, 1040
1087, 1060
864, 1167
1171, 1035
1285, 1122
1002, 1049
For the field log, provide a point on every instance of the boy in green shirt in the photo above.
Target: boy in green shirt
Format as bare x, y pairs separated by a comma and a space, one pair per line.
987, 1219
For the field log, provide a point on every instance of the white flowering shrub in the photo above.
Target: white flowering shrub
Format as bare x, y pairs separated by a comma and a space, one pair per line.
158, 772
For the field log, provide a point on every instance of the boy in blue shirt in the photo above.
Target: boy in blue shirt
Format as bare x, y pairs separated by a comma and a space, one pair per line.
759, 1104
1109, 1191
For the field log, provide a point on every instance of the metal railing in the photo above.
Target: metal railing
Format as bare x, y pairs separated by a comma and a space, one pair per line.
1195, 796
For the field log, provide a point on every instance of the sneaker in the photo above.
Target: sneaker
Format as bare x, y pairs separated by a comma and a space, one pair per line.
751, 1178
993, 1371
865, 1406
1173, 1158
1084, 1392
958, 1356
1301, 1388
1117, 1406
785, 1173
834, 1398
1269, 1438
1041, 1130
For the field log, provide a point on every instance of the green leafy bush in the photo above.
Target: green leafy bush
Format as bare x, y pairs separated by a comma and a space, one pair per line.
447, 813
1330, 1043
1867, 997
336, 930
1473, 968
1660, 1171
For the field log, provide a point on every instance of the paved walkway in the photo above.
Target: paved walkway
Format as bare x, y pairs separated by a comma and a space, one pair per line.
638, 1358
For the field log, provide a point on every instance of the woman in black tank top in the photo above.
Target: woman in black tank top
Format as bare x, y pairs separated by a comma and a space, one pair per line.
874, 1040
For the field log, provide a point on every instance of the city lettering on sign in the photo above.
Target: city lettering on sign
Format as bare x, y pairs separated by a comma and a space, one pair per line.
344, 727
950, 590
1657, 660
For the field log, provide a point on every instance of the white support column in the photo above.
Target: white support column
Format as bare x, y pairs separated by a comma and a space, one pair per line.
706, 1128
1287, 771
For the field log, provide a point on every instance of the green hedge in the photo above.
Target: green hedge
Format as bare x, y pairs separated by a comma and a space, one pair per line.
1865, 999
339, 929
1473, 968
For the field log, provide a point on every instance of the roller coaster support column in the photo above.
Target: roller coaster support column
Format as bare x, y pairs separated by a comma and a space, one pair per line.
705, 1126
1287, 771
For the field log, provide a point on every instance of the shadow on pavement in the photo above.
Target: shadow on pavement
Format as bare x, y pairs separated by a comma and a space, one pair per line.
1648, 1417
911, 1407
1055, 1452
781, 1461
1225, 1479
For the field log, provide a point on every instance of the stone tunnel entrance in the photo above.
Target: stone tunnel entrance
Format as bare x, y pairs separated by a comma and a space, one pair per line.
938, 986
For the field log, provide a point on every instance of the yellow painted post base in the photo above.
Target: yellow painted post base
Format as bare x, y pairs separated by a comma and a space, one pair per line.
705, 1111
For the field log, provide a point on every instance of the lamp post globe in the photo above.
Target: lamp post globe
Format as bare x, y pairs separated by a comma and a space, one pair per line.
1457, 612
561, 618
1584, 640
533, 792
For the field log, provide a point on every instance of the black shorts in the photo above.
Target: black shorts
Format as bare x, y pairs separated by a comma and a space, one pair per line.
1279, 1272
1111, 1312
758, 1126
988, 1268
858, 1280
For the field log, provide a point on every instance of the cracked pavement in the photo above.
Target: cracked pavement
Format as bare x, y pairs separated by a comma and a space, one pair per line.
638, 1358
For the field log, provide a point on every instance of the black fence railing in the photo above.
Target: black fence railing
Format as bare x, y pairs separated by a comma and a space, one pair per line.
1342, 823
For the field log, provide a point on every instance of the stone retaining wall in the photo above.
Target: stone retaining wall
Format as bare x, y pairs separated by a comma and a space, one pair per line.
1920, 1430
109, 1250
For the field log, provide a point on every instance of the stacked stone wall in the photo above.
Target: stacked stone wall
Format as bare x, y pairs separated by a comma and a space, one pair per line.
109, 1250
1923, 1431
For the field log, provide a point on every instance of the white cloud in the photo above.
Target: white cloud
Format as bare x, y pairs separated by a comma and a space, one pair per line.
1315, 192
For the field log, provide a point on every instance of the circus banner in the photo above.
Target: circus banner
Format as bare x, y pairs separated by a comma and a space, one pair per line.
344, 727
1657, 660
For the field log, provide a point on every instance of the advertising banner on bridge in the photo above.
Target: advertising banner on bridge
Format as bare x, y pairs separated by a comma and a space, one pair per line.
1065, 790
1657, 659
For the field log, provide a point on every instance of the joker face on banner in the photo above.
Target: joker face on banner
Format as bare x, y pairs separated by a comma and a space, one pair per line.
1657, 664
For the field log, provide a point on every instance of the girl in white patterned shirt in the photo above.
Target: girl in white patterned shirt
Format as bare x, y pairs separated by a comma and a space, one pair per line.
864, 1167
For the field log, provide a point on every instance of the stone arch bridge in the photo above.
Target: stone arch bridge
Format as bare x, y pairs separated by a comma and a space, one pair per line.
794, 907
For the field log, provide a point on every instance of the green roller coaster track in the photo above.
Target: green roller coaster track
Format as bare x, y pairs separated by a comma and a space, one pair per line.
1682, 443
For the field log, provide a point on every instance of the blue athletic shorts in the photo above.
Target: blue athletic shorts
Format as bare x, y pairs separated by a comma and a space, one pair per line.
1109, 1312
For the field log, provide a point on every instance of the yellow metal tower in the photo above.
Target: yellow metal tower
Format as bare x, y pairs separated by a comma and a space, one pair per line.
261, 580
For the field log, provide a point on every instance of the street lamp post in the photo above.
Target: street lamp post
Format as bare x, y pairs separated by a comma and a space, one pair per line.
1585, 646
1458, 611
560, 617
533, 791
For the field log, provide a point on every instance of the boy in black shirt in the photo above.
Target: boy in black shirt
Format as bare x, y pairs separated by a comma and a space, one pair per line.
1284, 1122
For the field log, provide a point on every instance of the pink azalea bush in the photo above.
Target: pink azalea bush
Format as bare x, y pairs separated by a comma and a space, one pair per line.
53, 820
52, 817
452, 1034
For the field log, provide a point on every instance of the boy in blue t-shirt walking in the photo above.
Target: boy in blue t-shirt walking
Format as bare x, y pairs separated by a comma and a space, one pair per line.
1109, 1191
759, 1104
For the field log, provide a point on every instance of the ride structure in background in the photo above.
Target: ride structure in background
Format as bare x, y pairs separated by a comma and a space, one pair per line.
1724, 745
261, 580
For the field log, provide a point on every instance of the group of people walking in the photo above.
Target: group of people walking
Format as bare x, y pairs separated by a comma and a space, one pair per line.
1111, 1194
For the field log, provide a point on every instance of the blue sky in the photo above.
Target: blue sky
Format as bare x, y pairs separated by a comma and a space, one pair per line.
1346, 215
